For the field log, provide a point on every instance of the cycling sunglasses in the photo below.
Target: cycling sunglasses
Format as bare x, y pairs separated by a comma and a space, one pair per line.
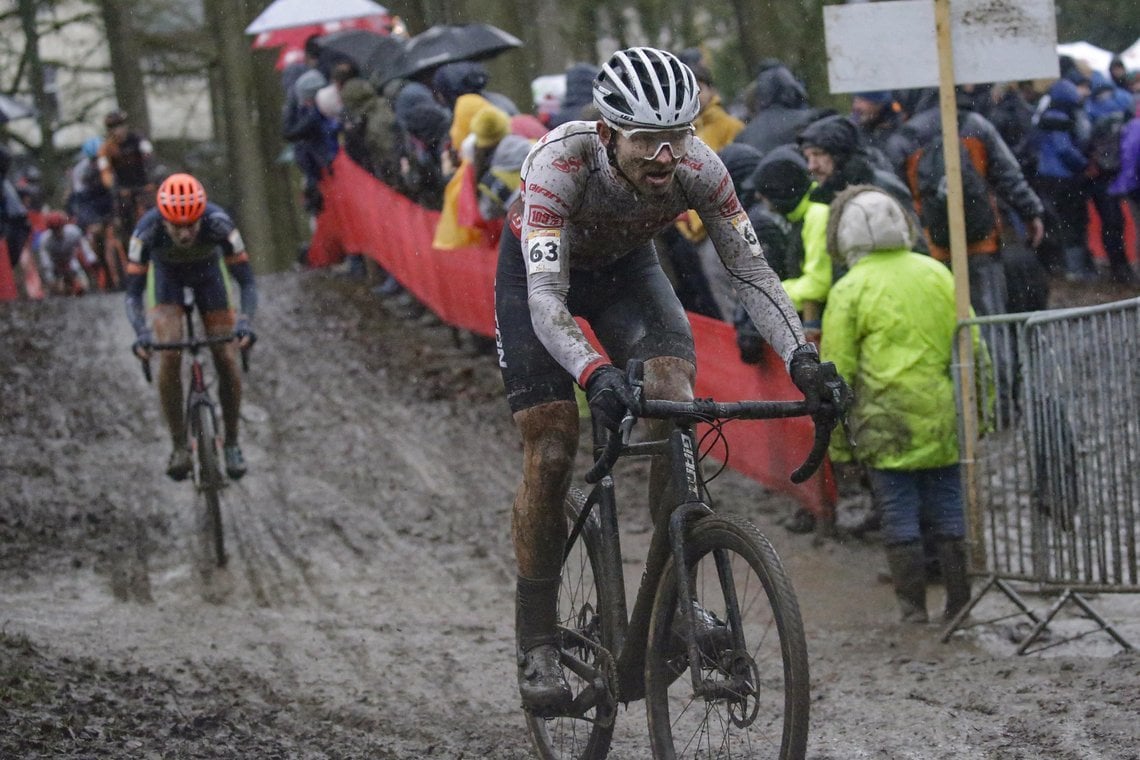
647, 143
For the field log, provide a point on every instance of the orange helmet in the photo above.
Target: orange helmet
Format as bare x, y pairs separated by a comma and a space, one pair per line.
55, 220
181, 199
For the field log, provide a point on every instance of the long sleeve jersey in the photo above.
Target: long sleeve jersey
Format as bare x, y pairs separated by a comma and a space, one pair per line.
579, 212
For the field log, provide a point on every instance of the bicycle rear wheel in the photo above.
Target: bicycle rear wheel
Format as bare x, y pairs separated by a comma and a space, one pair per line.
210, 481
759, 707
587, 620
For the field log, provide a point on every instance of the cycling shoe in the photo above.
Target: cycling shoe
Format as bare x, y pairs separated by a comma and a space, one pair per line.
542, 684
235, 462
180, 464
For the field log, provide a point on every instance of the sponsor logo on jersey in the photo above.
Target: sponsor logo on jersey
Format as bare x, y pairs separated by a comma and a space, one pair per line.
730, 207
725, 183
514, 219
534, 187
567, 164
541, 216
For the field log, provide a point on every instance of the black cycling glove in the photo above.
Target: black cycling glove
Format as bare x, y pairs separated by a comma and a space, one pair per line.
243, 329
819, 381
143, 341
609, 395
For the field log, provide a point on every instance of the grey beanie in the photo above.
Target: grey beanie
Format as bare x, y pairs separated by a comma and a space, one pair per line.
306, 86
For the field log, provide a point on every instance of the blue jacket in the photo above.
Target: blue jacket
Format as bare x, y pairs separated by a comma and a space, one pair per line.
1053, 141
1127, 181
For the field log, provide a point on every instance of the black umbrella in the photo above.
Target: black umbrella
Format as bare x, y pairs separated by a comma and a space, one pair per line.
372, 53
447, 43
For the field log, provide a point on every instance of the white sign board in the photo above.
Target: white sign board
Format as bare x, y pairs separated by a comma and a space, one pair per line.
892, 45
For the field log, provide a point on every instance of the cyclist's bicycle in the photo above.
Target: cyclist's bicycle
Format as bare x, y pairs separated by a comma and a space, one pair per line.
202, 427
715, 643
110, 253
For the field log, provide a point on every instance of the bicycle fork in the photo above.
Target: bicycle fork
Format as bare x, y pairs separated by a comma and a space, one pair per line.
687, 481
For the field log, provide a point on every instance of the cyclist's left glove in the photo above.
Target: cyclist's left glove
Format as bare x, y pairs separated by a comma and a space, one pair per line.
243, 330
819, 381
144, 339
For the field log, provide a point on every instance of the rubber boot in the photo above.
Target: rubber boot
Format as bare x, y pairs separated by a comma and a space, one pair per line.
542, 684
908, 573
955, 575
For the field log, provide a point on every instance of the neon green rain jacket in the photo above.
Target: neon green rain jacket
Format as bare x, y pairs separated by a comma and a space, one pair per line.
814, 281
889, 327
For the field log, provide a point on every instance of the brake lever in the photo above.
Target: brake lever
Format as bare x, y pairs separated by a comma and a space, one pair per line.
831, 413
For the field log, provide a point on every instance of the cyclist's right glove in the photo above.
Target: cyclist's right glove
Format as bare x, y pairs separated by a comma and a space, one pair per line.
609, 395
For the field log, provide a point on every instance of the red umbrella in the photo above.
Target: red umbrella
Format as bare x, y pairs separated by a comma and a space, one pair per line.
292, 40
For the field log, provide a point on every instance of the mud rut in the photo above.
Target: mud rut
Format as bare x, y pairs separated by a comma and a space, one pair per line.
367, 608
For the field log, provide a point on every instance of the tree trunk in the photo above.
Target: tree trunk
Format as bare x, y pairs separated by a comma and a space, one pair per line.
126, 70
49, 160
238, 123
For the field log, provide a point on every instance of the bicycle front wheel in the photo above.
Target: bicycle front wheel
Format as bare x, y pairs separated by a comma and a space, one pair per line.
586, 623
210, 482
755, 689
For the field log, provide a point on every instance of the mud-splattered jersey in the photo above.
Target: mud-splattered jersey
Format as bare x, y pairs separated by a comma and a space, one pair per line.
577, 212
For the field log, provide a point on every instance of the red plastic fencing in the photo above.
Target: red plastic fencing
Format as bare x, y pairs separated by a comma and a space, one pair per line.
362, 215
8, 291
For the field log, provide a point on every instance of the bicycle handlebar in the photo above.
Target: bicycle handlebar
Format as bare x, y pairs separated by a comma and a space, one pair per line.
697, 410
193, 345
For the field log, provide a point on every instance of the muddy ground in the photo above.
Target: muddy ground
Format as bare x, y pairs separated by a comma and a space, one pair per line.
367, 609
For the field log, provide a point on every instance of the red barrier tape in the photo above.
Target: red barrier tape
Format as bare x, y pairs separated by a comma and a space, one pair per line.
363, 215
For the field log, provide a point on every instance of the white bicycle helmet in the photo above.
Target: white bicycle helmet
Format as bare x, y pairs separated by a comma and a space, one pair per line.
646, 88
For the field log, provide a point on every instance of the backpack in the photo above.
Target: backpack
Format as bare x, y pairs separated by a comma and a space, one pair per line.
932, 194
1104, 144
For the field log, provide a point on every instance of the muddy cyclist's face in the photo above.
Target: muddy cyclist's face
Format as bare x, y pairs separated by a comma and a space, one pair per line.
183, 235
648, 157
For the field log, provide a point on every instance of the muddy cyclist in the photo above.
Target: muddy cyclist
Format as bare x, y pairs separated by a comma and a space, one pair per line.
579, 244
187, 242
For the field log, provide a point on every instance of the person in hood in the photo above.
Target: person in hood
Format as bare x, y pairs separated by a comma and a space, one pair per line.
1004, 182
1055, 149
889, 327
837, 158
313, 135
781, 179
578, 99
779, 108
1109, 108
877, 115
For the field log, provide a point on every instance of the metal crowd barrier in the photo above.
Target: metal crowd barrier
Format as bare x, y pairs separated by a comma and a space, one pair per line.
1053, 491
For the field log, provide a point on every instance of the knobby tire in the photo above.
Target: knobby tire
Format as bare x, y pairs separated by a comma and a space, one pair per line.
768, 716
210, 482
587, 608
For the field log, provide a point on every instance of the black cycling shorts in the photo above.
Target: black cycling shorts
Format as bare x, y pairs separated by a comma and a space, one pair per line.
210, 281
630, 305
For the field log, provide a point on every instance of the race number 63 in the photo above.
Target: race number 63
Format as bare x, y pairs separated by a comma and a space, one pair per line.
544, 251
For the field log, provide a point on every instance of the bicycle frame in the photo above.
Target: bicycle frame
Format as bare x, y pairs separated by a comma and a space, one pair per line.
685, 495
197, 394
